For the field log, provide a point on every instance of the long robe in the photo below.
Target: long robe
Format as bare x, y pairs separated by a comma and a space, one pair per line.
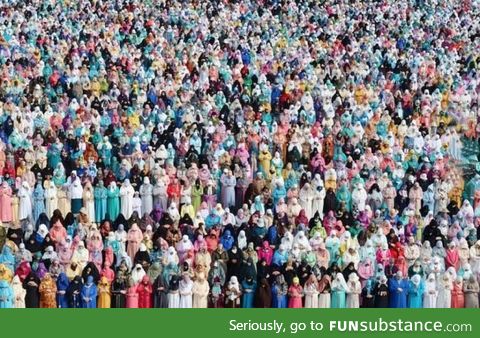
48, 293
415, 295
381, 296
32, 297
248, 295
89, 202
51, 200
62, 286
89, 295
100, 195
119, 290
113, 203
126, 200
458, 298
311, 295
146, 194
74, 293
25, 203
186, 288
6, 212
160, 293
104, 295
6, 295
398, 293
132, 297
471, 289
144, 290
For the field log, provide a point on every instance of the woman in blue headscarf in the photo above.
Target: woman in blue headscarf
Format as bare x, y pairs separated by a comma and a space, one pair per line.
62, 286
227, 240
6, 295
415, 292
38, 201
100, 195
89, 294
7, 258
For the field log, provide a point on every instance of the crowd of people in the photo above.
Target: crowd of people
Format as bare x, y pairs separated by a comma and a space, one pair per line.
257, 153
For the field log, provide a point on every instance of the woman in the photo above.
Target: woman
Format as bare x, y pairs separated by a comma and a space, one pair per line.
249, 286
339, 291
263, 296
471, 289
458, 298
73, 293
311, 292
119, 290
104, 295
445, 286
48, 292
88, 197
295, 293
131, 295
186, 290
200, 292
173, 292
160, 292
354, 291
381, 293
279, 292
430, 295
31, 285
18, 293
89, 294
113, 201
233, 293
100, 194
324, 288
415, 292
144, 291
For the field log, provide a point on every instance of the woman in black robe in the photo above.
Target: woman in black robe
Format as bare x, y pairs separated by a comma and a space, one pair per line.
263, 297
74, 293
330, 203
32, 296
234, 263
368, 298
119, 290
380, 292
160, 293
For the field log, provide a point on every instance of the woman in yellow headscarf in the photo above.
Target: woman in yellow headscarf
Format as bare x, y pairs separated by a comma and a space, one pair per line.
104, 295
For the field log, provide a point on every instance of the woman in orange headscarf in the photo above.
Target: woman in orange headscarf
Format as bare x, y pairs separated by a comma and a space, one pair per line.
48, 292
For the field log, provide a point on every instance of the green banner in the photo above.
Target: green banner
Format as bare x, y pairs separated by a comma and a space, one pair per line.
243, 323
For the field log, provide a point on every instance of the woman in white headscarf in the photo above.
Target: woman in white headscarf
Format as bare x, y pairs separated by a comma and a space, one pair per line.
339, 291
242, 240
25, 195
126, 199
18, 293
354, 291
186, 290
138, 273
88, 201
146, 194
444, 287
173, 212
431, 293
305, 198
51, 201
233, 293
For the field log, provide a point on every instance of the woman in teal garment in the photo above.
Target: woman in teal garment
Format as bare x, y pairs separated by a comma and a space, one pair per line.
339, 292
54, 154
100, 195
59, 177
343, 195
415, 292
113, 201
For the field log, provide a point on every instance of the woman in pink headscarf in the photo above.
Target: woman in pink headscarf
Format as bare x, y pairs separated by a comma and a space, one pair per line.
134, 238
265, 252
452, 259
6, 214
95, 247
